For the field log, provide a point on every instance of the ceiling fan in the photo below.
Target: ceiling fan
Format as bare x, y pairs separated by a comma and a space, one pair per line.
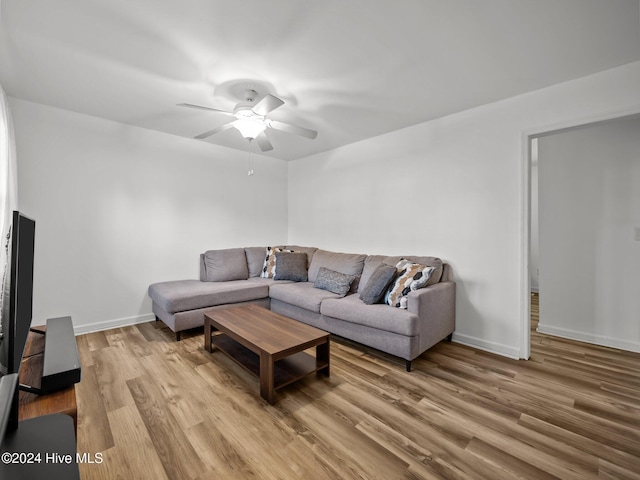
251, 119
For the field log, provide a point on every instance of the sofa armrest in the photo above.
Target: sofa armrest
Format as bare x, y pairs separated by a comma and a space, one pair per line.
435, 307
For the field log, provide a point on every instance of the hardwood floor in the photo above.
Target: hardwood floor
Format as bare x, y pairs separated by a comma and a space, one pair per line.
158, 409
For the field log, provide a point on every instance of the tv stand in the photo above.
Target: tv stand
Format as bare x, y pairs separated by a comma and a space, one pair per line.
41, 330
32, 404
61, 364
30, 389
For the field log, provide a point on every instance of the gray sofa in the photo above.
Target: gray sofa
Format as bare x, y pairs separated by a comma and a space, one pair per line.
232, 277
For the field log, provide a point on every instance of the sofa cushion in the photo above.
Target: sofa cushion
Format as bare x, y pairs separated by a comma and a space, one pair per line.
266, 281
255, 260
333, 281
411, 276
291, 266
381, 316
308, 250
269, 265
371, 263
182, 295
301, 294
377, 284
347, 263
225, 265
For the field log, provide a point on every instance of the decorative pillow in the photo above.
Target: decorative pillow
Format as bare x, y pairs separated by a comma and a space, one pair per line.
269, 266
378, 283
291, 266
333, 281
434, 262
411, 276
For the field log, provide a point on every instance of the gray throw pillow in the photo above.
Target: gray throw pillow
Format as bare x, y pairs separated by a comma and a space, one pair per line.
333, 281
378, 283
291, 266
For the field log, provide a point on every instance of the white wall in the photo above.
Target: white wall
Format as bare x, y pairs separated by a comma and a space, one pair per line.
589, 254
118, 207
452, 187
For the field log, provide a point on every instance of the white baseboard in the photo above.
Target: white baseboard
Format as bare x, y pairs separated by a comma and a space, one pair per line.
491, 347
115, 323
590, 338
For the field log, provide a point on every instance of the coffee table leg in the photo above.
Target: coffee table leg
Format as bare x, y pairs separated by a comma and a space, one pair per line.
267, 378
207, 334
322, 356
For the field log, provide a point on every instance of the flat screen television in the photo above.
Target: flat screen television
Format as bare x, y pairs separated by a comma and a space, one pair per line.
18, 307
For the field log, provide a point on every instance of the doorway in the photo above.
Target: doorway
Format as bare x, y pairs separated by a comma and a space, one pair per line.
582, 239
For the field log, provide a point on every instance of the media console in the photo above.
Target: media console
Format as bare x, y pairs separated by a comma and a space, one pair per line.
61, 365
32, 402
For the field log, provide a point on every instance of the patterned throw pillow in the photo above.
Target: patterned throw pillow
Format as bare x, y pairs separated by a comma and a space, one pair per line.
333, 281
269, 266
411, 276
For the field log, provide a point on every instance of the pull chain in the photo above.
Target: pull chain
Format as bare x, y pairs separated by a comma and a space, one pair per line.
250, 172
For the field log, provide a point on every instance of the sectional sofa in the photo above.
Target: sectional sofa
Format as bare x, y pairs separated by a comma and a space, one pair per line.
325, 289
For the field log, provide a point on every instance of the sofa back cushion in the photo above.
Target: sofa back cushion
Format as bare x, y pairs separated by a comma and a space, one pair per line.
224, 265
308, 250
255, 260
347, 263
447, 274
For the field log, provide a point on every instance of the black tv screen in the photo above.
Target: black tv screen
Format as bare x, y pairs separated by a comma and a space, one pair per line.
17, 309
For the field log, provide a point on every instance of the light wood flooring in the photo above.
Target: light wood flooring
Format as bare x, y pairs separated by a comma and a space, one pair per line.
159, 409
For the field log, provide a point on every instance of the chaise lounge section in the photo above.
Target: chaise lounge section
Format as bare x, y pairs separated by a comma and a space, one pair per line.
312, 293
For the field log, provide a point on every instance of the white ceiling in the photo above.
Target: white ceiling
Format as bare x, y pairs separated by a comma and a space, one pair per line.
350, 69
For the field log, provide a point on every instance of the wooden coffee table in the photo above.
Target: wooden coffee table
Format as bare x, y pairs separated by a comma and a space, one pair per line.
268, 345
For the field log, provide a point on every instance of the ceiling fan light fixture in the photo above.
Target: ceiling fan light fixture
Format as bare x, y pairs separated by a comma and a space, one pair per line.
249, 127
251, 119
244, 111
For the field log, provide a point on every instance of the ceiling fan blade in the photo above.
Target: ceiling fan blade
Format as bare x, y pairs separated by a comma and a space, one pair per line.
264, 143
285, 127
219, 129
200, 107
268, 104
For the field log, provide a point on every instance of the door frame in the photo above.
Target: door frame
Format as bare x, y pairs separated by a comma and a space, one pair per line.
525, 224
